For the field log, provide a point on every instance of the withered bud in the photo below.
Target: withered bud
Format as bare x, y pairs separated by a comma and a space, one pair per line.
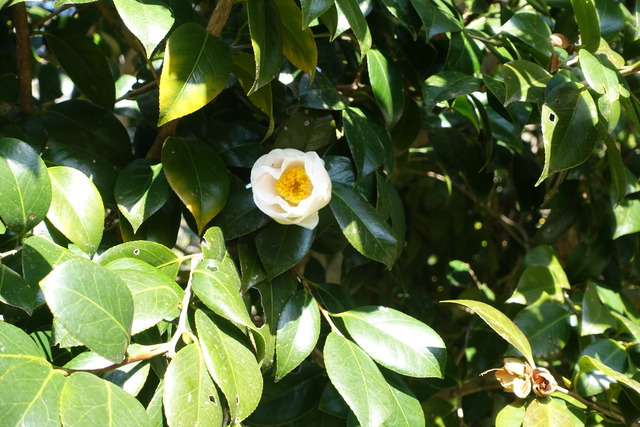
515, 376
543, 382
558, 40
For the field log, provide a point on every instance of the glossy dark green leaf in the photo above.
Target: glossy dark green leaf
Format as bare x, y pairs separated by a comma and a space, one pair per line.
232, 365
240, 215
307, 130
547, 411
351, 10
538, 284
79, 290
217, 284
358, 380
397, 341
266, 38
274, 295
362, 226
76, 208
154, 294
15, 291
532, 30
312, 9
627, 216
502, 325
594, 381
298, 44
141, 189
196, 173
25, 188
250, 265
596, 317
389, 198
130, 377
569, 119
196, 69
39, 257
244, 69
368, 140
84, 63
586, 16
588, 364
525, 81
448, 85
98, 169
82, 124
320, 93
29, 387
152, 253
190, 396
437, 16
387, 86
25, 127
547, 327
281, 247
298, 332
602, 76
148, 20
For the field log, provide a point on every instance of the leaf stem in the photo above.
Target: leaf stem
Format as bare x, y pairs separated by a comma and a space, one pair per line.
52, 15
591, 405
325, 313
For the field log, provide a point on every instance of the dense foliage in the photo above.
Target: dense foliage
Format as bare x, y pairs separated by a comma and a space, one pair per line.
485, 205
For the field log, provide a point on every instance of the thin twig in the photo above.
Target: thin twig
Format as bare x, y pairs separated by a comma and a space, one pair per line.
135, 92
52, 15
591, 405
24, 57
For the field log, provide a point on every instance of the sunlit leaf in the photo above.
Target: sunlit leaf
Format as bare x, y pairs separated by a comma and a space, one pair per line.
148, 20
588, 23
298, 44
525, 81
152, 253
266, 38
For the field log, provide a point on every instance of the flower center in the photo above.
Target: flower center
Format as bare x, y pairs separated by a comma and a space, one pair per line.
294, 185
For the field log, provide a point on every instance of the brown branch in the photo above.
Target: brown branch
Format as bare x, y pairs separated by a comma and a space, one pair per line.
219, 17
592, 406
164, 132
24, 57
50, 16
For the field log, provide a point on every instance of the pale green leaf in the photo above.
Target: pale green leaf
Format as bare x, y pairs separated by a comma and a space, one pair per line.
148, 20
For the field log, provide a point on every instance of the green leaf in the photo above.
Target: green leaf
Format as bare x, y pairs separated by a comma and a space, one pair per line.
436, 17
244, 70
387, 86
607, 352
569, 119
141, 189
217, 284
447, 85
351, 10
358, 380
298, 332
617, 168
240, 215
397, 341
39, 257
596, 317
148, 20
231, 364
547, 327
588, 23
25, 188
367, 232
95, 167
307, 130
90, 400
93, 304
15, 291
547, 411
368, 141
298, 44
196, 69
501, 324
196, 173
130, 377
511, 415
281, 247
525, 81
84, 63
190, 396
407, 410
312, 9
320, 93
602, 76
155, 295
537, 284
152, 253
532, 30
76, 208
627, 216
266, 38
82, 124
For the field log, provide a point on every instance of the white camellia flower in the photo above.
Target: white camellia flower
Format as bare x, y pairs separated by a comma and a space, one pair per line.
291, 186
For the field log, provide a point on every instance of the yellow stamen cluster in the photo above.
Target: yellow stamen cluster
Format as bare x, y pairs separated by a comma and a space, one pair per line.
294, 185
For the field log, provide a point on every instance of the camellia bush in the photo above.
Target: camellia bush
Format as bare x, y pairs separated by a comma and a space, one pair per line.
319, 212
